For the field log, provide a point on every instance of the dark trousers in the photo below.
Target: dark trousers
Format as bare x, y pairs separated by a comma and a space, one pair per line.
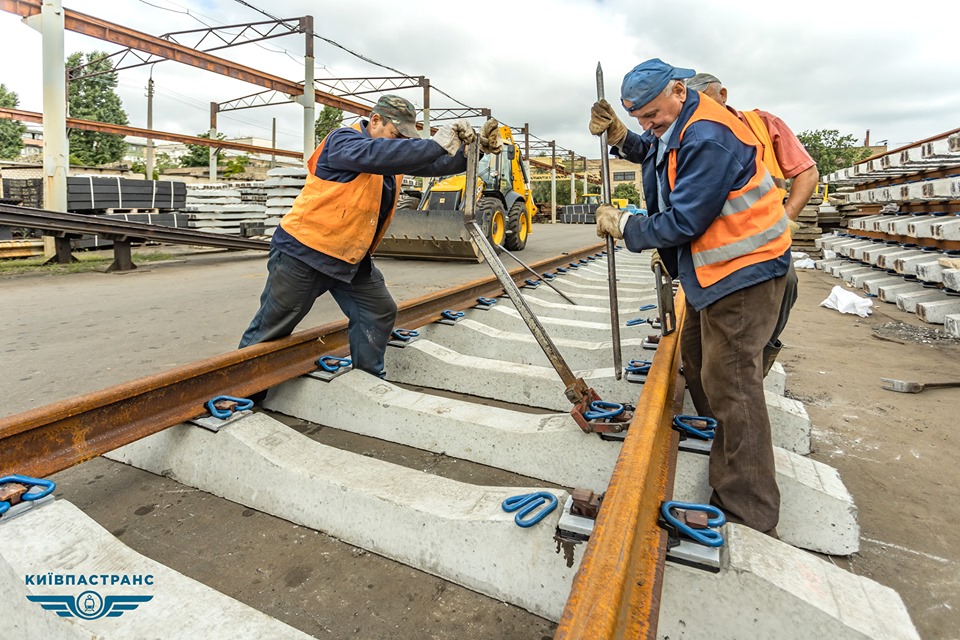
292, 288
790, 293
721, 348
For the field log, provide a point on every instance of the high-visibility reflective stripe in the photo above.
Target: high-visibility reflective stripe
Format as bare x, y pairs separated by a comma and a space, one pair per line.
741, 247
748, 199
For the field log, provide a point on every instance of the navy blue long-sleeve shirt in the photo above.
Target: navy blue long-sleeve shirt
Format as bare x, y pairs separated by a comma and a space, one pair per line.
346, 154
711, 162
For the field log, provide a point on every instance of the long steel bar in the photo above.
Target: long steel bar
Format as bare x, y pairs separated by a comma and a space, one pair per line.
611, 243
52, 438
616, 592
576, 388
523, 264
122, 130
14, 216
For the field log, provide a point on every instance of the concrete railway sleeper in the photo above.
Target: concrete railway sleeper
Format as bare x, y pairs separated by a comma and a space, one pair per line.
622, 582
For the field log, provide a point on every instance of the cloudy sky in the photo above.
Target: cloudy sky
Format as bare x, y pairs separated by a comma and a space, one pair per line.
850, 66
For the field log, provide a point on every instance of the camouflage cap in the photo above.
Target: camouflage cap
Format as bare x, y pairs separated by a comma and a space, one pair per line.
400, 112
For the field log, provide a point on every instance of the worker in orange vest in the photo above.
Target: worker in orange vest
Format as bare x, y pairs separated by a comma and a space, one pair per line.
786, 159
719, 224
326, 241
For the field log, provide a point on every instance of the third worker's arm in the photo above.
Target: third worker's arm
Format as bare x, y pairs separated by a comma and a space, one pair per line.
802, 188
795, 162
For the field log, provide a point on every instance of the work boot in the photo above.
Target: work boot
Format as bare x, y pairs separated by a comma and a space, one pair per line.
770, 353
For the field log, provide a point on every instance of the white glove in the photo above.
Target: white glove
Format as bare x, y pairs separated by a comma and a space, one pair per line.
490, 141
608, 221
452, 136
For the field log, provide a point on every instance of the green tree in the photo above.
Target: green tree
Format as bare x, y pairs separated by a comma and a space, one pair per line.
629, 191
198, 155
235, 165
11, 131
94, 98
831, 151
161, 163
541, 190
330, 118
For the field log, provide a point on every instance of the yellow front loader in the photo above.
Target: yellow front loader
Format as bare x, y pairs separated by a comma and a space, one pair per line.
430, 225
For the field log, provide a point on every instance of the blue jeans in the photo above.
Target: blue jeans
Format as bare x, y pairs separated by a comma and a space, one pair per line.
293, 286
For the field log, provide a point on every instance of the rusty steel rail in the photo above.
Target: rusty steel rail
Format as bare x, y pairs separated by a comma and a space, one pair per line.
8, 113
616, 591
48, 439
78, 223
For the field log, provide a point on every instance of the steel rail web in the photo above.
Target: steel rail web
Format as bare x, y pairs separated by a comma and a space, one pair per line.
54, 437
616, 591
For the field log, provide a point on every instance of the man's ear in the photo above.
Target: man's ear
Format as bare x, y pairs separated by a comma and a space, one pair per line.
680, 90
723, 96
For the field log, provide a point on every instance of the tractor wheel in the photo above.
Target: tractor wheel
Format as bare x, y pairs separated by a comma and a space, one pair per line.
408, 201
492, 220
518, 227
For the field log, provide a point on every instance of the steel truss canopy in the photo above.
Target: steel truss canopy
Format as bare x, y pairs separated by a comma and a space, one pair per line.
259, 99
143, 49
126, 37
196, 38
361, 86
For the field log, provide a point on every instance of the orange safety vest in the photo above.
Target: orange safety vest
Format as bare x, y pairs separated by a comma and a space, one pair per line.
769, 154
339, 218
752, 225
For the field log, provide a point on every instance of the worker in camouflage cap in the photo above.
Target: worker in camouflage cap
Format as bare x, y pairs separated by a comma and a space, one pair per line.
400, 112
325, 243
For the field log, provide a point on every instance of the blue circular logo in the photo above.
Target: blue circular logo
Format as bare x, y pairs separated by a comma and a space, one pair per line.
90, 605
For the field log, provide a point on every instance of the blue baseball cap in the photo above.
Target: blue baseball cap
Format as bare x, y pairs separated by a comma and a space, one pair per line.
646, 80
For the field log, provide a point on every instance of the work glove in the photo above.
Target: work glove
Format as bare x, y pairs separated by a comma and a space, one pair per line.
490, 141
655, 260
608, 221
603, 118
793, 226
452, 136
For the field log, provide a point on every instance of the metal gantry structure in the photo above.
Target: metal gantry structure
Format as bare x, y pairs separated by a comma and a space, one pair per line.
193, 47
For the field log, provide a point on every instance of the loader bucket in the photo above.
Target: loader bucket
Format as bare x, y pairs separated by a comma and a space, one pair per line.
432, 234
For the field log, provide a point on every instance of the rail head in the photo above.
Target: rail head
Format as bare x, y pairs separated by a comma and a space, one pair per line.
616, 591
57, 436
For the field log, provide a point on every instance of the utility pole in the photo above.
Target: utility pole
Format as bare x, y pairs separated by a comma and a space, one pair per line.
214, 107
526, 147
309, 97
585, 175
273, 144
149, 162
573, 179
553, 182
425, 83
